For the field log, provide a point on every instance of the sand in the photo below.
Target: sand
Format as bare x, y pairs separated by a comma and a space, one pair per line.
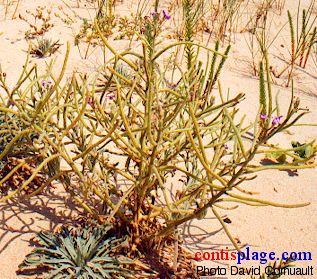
263, 229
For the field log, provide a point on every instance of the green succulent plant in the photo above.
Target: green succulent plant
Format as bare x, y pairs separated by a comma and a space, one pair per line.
85, 253
303, 150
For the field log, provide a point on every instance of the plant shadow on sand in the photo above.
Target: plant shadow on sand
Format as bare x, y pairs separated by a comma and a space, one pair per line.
268, 162
195, 237
48, 211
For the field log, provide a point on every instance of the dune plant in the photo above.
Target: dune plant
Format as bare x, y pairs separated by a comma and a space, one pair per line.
260, 38
18, 164
106, 8
192, 11
107, 21
89, 252
7, 4
224, 17
303, 35
303, 150
160, 145
45, 47
105, 16
39, 22
28, 116
180, 129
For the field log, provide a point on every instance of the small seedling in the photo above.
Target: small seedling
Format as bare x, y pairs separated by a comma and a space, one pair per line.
45, 47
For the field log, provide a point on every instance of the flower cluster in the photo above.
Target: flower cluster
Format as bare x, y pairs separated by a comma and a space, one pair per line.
275, 120
165, 15
152, 23
46, 84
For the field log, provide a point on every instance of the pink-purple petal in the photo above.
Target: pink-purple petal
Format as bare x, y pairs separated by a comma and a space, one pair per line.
166, 15
277, 120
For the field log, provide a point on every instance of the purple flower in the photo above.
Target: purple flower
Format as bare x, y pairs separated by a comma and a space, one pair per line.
277, 120
263, 116
46, 83
166, 15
